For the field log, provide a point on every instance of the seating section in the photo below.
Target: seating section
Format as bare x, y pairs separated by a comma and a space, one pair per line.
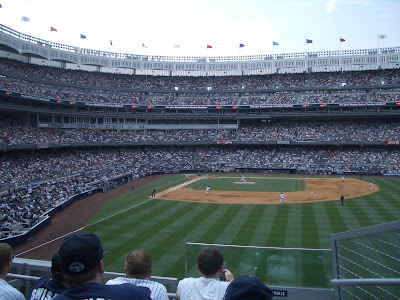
104, 88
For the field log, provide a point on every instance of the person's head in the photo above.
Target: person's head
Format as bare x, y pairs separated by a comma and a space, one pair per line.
6, 255
209, 262
81, 256
138, 265
56, 270
247, 288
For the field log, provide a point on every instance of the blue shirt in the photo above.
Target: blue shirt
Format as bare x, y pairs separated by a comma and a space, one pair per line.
95, 291
45, 289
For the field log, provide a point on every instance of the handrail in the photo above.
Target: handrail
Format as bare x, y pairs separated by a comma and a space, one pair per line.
365, 281
161, 58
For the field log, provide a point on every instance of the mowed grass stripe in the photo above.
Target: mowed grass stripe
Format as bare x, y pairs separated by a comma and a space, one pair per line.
136, 221
385, 209
246, 221
264, 226
335, 219
372, 209
356, 207
179, 236
294, 227
206, 232
230, 223
135, 216
276, 237
132, 240
308, 232
155, 236
279, 225
324, 228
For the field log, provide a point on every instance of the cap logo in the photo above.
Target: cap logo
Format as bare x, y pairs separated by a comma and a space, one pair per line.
76, 267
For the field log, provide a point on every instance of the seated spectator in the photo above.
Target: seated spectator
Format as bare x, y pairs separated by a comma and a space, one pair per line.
138, 270
49, 288
6, 290
248, 288
208, 286
81, 257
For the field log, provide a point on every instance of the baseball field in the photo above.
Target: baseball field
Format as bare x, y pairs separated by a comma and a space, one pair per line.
240, 213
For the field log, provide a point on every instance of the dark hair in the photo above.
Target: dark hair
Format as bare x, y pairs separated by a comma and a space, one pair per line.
138, 264
5, 255
209, 260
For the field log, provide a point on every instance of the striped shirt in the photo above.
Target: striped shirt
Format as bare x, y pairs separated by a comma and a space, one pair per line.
7, 292
158, 291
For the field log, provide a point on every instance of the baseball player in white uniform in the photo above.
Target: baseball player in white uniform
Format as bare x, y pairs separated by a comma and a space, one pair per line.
282, 197
243, 178
342, 178
207, 190
371, 185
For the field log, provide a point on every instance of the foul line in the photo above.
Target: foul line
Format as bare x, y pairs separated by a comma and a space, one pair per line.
110, 216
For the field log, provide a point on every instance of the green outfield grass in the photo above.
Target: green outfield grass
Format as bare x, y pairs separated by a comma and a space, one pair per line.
164, 227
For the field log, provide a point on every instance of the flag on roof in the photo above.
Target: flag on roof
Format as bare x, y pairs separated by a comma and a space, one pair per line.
53, 29
382, 36
342, 40
111, 42
275, 44
25, 19
209, 46
143, 45
83, 36
241, 45
308, 41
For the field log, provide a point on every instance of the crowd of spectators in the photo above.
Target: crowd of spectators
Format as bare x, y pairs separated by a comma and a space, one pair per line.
103, 88
13, 132
32, 185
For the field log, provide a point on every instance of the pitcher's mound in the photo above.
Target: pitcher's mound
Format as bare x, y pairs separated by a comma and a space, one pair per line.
244, 182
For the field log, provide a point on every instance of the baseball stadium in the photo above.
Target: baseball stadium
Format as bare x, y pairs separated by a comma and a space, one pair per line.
88, 136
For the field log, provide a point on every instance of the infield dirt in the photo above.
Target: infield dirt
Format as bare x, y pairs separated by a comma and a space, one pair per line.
318, 189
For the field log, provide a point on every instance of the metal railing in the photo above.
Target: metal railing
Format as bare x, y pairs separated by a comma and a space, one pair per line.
366, 262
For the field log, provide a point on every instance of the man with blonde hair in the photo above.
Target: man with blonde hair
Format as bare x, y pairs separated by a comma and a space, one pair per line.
7, 292
138, 270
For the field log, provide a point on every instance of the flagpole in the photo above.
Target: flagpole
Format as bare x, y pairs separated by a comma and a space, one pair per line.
240, 71
207, 60
340, 53
272, 50
306, 54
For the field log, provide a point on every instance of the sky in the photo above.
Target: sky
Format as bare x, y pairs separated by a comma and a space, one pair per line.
222, 24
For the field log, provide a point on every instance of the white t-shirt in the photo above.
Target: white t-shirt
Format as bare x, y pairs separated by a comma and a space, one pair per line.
202, 289
157, 290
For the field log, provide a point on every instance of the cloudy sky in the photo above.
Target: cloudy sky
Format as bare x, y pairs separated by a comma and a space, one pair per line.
223, 24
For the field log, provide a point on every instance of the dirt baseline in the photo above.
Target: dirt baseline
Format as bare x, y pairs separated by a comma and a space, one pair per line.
318, 189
